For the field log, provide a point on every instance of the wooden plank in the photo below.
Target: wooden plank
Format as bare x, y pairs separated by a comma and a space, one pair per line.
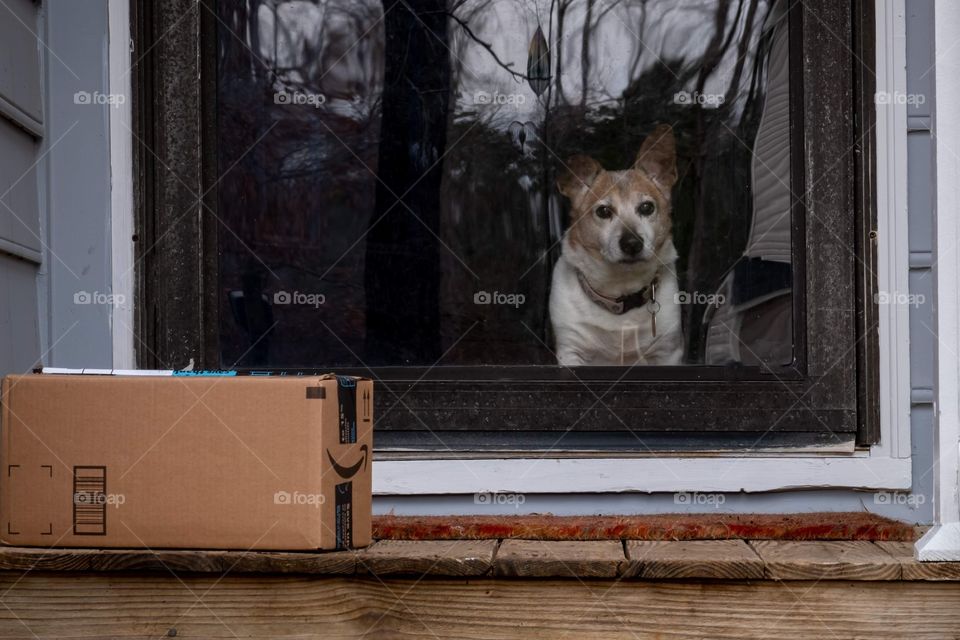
711, 559
176, 229
857, 560
130, 606
913, 569
28, 559
654, 560
433, 557
543, 559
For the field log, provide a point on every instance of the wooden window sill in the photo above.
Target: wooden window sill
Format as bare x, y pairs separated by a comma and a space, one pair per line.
607, 559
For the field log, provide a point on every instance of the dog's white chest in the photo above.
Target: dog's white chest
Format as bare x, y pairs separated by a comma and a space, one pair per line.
587, 333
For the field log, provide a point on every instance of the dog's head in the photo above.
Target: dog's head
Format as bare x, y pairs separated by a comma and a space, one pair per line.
623, 217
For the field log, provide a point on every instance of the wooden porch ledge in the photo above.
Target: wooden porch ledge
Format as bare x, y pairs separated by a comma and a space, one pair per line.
598, 559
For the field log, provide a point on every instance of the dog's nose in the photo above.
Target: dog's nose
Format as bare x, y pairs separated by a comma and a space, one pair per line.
631, 244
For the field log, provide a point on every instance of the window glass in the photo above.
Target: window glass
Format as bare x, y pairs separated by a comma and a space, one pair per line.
504, 182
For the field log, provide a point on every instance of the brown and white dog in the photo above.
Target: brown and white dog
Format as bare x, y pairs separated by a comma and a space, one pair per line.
614, 294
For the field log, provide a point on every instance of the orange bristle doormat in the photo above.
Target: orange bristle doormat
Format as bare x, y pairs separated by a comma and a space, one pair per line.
802, 526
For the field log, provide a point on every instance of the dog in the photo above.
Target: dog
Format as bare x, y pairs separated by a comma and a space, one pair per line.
614, 295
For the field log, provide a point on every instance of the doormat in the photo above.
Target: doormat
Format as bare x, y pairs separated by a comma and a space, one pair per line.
801, 526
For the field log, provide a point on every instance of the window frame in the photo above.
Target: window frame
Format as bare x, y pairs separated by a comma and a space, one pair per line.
170, 112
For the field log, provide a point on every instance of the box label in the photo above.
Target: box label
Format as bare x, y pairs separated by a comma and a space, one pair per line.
343, 499
89, 501
347, 398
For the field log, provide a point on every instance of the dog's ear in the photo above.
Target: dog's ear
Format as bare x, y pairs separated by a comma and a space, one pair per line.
578, 175
658, 157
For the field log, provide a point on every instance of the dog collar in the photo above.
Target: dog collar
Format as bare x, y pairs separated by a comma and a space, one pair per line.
619, 306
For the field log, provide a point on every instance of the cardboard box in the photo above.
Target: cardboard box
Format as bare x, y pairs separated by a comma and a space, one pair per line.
246, 462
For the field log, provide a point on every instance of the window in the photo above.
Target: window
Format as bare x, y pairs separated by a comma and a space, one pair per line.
387, 188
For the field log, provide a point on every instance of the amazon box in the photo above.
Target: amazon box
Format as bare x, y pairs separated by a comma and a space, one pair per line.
201, 462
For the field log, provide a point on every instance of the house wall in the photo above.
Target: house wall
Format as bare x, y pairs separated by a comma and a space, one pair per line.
74, 218
21, 140
78, 253
55, 220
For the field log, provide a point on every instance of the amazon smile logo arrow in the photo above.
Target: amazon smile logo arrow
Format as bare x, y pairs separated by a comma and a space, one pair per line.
348, 472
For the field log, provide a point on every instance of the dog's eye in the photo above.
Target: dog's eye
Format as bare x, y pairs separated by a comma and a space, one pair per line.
603, 211
646, 208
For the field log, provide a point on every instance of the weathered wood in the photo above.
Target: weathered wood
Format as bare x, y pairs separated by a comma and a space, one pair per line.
129, 606
173, 292
540, 559
428, 557
24, 559
710, 559
858, 560
913, 569
652, 560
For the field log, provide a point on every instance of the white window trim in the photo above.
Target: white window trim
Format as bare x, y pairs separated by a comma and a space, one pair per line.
943, 541
885, 466
121, 186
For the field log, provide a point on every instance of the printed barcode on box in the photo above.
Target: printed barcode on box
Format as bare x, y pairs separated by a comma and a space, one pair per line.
343, 515
347, 399
90, 501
